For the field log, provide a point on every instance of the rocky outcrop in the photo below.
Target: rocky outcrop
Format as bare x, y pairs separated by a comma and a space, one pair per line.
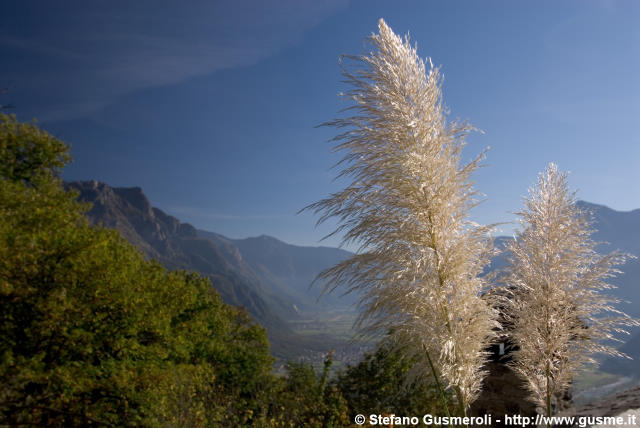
503, 393
128, 210
624, 404
610, 406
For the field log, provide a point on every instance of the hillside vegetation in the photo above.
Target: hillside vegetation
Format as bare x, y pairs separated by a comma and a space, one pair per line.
93, 334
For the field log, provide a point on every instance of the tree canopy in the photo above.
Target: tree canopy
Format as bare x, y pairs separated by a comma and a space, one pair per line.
91, 333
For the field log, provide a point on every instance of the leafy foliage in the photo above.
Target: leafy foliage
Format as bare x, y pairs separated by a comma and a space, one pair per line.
93, 334
379, 385
28, 153
308, 399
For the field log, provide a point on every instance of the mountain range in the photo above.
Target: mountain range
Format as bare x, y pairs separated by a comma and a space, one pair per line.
272, 279
268, 277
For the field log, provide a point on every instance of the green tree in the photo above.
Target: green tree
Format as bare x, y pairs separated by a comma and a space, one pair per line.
93, 334
307, 398
29, 154
379, 385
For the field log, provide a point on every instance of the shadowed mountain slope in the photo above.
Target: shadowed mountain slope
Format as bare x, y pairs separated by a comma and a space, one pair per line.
289, 270
177, 246
272, 282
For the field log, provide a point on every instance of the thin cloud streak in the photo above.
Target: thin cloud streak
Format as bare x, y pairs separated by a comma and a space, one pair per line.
130, 47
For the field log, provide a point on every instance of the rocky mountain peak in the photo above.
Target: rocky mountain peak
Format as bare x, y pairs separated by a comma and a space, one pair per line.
128, 210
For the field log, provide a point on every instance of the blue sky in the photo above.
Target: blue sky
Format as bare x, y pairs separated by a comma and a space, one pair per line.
212, 107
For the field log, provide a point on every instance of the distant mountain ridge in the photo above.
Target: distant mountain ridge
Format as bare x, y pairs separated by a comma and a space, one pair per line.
289, 270
176, 245
266, 276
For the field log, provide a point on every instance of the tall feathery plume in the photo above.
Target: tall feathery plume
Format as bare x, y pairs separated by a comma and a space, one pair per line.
556, 307
419, 256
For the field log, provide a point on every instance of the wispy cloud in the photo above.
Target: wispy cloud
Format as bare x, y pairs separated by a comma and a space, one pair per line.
85, 55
